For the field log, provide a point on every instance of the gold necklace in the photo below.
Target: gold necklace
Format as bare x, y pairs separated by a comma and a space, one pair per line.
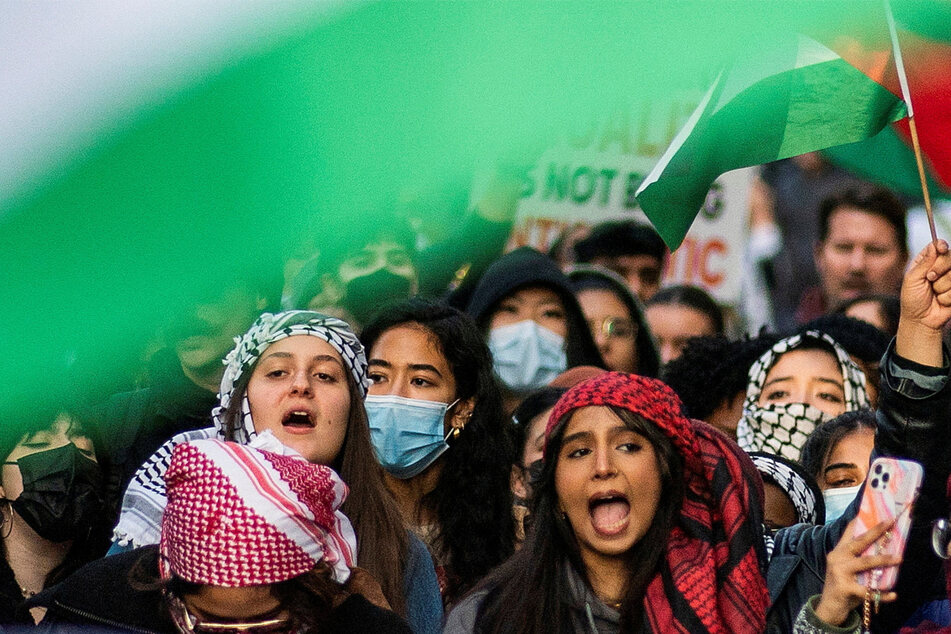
868, 602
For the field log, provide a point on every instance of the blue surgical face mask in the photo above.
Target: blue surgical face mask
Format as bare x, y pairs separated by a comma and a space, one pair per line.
837, 500
527, 356
407, 433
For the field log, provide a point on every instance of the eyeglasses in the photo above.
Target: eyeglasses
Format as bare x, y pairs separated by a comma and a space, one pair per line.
188, 623
614, 327
941, 538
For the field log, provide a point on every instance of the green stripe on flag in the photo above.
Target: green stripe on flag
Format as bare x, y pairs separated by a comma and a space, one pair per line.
887, 159
786, 100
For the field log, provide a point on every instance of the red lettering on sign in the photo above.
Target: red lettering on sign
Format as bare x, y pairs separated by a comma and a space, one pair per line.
695, 263
711, 279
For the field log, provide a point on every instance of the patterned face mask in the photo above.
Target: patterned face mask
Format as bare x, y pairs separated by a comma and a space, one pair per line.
782, 429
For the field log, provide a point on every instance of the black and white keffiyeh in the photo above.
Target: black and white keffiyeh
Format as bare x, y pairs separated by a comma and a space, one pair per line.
798, 485
782, 429
144, 501
264, 332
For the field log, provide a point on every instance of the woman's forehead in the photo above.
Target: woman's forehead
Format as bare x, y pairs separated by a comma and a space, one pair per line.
304, 346
806, 362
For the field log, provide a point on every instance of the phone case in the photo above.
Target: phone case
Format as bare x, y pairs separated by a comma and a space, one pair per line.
890, 491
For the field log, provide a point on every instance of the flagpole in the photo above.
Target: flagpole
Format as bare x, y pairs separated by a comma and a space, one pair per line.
906, 95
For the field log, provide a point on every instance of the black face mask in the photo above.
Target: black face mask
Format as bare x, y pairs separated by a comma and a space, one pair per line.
364, 295
62, 493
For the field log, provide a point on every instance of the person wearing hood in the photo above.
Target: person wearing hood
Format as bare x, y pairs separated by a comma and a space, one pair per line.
534, 325
792, 495
643, 520
616, 319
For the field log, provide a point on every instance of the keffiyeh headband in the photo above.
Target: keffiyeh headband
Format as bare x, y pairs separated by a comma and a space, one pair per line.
782, 429
144, 499
239, 516
270, 328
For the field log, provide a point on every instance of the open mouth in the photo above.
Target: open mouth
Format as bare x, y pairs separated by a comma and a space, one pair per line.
298, 420
610, 512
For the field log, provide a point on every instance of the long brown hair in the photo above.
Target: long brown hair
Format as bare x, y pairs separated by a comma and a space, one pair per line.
527, 594
382, 540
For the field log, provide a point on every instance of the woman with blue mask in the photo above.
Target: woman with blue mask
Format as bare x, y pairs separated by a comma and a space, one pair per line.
837, 454
436, 423
533, 323
298, 379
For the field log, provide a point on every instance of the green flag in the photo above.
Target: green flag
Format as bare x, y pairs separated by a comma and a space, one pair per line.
781, 102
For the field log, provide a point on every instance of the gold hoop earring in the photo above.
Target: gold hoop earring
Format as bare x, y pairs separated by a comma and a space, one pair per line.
5, 520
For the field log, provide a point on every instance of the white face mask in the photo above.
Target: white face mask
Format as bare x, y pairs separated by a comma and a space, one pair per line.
527, 356
837, 500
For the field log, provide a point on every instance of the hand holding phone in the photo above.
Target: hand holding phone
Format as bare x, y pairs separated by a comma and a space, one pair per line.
890, 491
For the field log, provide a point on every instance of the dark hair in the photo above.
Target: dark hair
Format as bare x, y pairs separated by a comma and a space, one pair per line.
528, 593
859, 338
889, 307
95, 541
822, 441
615, 238
335, 247
533, 405
472, 500
712, 369
586, 278
691, 297
871, 199
381, 536
364, 229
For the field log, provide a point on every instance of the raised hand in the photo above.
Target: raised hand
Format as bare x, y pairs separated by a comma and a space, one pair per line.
925, 305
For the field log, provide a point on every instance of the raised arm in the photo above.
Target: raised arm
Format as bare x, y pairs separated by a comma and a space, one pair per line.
925, 306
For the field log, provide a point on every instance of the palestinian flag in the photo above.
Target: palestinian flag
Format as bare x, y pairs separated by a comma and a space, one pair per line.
924, 34
152, 152
788, 98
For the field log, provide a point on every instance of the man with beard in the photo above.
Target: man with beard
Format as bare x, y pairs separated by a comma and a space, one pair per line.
183, 380
862, 249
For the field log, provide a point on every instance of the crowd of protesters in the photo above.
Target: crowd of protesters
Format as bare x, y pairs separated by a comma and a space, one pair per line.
464, 439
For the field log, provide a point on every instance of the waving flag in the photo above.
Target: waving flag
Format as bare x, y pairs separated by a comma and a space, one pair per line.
924, 34
785, 101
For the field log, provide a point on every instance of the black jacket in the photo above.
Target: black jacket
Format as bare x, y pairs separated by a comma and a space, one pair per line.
914, 404
123, 592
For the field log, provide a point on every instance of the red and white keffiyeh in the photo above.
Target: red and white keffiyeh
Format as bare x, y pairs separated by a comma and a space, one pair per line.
239, 516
